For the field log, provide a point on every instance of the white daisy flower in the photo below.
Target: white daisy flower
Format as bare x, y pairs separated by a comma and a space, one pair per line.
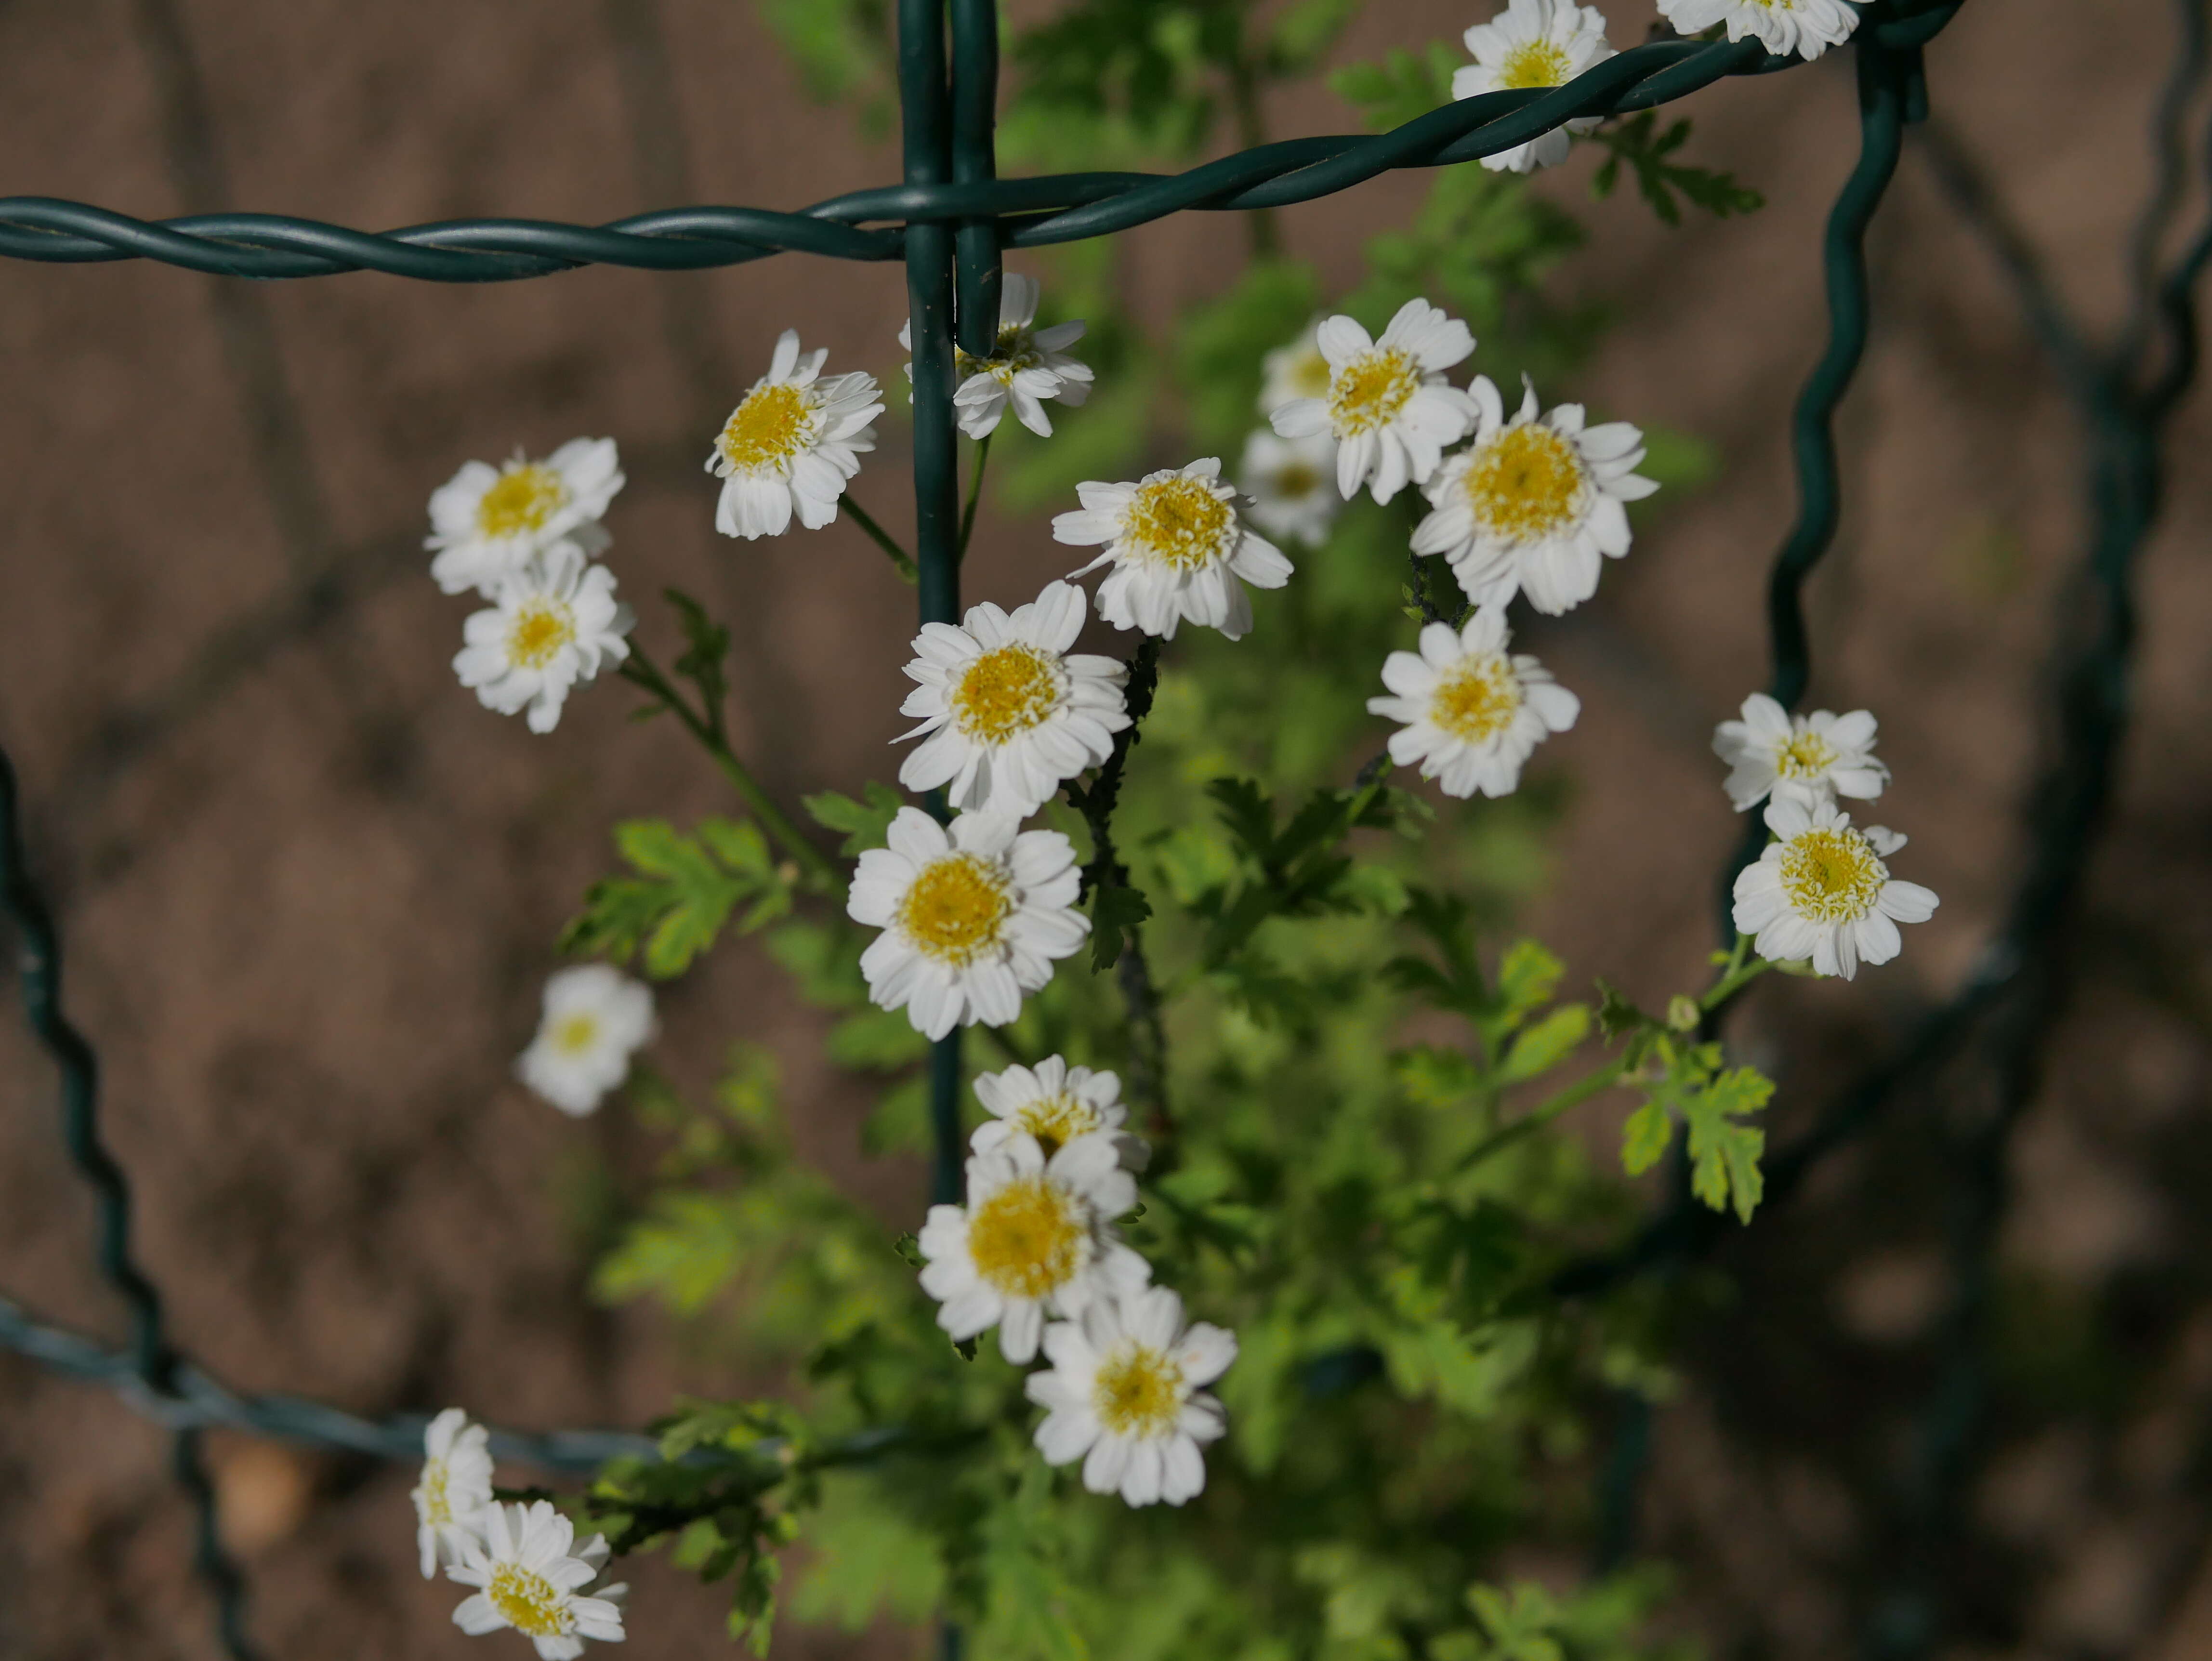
555, 626
486, 521
1028, 366
595, 1017
1055, 1103
1179, 551
1808, 759
1387, 406
791, 444
1472, 715
530, 1581
1822, 891
455, 1487
1293, 372
1290, 483
1534, 43
1808, 28
1535, 505
1123, 1396
973, 918
1010, 710
1036, 1234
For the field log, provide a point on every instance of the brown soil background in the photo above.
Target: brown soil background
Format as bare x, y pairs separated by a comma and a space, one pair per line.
310, 890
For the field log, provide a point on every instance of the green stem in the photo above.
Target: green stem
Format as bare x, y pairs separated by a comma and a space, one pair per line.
1576, 1093
975, 498
883, 539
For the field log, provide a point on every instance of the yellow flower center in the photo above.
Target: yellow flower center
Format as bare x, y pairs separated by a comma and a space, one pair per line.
1179, 522
1297, 478
573, 1034
1137, 1391
1309, 375
1006, 692
437, 1504
532, 1605
1525, 482
1832, 875
1056, 1121
1015, 351
957, 909
526, 496
1369, 391
1533, 64
1477, 700
1026, 1239
771, 426
1805, 755
540, 629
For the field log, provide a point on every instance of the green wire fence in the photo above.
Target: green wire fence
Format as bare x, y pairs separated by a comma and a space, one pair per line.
950, 220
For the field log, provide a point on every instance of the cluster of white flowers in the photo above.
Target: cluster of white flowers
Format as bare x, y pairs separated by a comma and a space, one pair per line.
523, 1561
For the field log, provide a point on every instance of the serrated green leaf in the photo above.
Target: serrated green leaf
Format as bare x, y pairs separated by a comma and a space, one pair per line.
1528, 975
1645, 1137
1724, 1154
1117, 913
864, 821
1537, 1049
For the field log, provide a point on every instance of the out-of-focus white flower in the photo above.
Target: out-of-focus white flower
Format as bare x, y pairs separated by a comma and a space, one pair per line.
1808, 759
596, 1017
1179, 551
1387, 406
454, 1489
1808, 28
1122, 1396
1028, 366
973, 918
1822, 891
1036, 1235
487, 522
1472, 715
1293, 372
1534, 43
530, 1580
792, 444
1009, 711
1536, 505
555, 625
1291, 485
1055, 1103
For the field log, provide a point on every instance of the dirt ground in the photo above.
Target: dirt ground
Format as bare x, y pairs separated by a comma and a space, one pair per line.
309, 889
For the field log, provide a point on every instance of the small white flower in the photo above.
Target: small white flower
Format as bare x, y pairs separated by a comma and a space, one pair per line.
1534, 43
972, 919
791, 444
1535, 505
1293, 372
486, 522
1010, 710
1808, 759
1808, 28
1123, 1396
1028, 365
1822, 891
1291, 482
455, 1488
555, 625
1387, 406
530, 1581
595, 1017
1472, 715
1037, 1234
1055, 1103
1179, 551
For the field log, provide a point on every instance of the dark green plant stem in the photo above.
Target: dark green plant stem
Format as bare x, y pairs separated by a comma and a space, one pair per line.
882, 538
974, 495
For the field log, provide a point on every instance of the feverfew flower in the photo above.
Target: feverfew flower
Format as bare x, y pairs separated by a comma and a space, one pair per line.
1010, 710
530, 1581
1808, 28
1036, 1233
1534, 43
486, 522
1055, 1103
1535, 505
791, 444
1471, 714
973, 918
1123, 1396
455, 1488
1387, 404
1028, 365
1822, 891
595, 1016
554, 626
1178, 549
1293, 372
1806, 759
1290, 483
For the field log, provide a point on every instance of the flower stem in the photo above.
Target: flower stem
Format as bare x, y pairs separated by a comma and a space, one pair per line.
975, 498
883, 539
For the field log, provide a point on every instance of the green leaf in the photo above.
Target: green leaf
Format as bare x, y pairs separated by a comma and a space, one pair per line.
1638, 142
683, 896
1645, 1137
1403, 86
1117, 913
1617, 1015
1528, 975
864, 821
1542, 1047
1724, 1153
